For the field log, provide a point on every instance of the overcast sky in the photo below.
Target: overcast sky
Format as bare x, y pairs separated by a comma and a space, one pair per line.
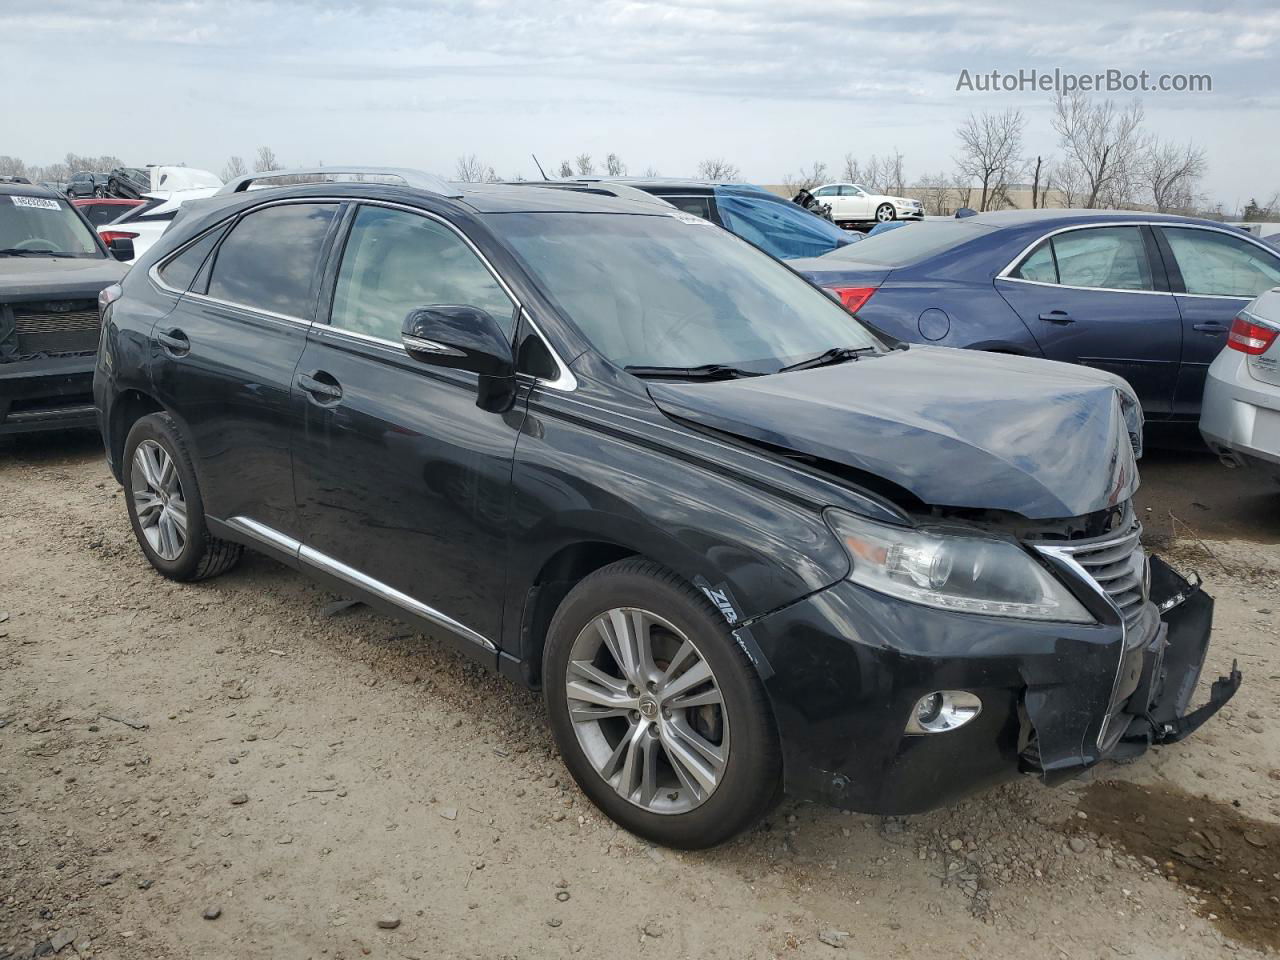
771, 85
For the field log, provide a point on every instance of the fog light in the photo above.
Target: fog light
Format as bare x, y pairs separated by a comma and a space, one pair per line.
943, 710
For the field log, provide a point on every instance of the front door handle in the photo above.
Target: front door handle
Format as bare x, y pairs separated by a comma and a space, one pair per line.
175, 343
1057, 316
320, 390
1210, 326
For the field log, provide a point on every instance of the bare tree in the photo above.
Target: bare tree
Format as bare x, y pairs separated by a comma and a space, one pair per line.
614, 167
1068, 180
894, 180
650, 172
1169, 174
235, 168
718, 168
1039, 172
585, 167
12, 167
873, 175
266, 160
991, 153
471, 169
962, 188
806, 179
566, 169
852, 171
1101, 139
936, 194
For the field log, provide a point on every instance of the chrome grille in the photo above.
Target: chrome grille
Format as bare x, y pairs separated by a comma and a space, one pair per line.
57, 326
1119, 567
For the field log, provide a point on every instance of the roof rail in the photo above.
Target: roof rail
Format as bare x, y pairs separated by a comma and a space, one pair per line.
409, 177
586, 185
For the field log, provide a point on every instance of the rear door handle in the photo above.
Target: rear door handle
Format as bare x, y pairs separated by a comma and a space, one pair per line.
175, 343
321, 391
1057, 316
1210, 326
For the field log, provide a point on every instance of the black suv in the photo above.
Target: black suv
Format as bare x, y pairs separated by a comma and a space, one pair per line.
87, 185
52, 268
740, 541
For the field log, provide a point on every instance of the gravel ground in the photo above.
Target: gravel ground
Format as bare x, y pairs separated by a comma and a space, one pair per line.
232, 769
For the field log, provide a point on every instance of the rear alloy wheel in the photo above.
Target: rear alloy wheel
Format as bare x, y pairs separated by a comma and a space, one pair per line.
884, 213
165, 506
158, 502
659, 715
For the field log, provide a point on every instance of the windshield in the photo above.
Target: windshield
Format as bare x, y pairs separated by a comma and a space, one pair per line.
43, 226
676, 291
898, 248
779, 226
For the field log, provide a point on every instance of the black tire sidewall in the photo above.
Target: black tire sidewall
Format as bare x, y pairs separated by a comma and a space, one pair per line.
161, 428
753, 772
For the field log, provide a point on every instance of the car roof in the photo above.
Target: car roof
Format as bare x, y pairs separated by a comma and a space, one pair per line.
26, 190
1070, 217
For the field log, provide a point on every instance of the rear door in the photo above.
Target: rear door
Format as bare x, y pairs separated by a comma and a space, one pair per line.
1099, 296
1214, 273
224, 359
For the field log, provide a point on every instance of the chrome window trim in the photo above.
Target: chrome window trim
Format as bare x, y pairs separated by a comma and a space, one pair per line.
1004, 274
336, 568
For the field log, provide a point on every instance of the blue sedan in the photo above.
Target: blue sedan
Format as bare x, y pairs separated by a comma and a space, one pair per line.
1147, 296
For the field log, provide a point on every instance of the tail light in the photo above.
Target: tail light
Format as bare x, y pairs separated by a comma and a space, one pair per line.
109, 235
853, 298
1251, 337
109, 295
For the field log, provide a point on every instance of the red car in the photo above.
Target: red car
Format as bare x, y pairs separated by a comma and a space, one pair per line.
100, 210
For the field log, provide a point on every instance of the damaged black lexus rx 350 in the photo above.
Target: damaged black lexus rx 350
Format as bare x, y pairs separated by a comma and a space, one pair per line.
741, 543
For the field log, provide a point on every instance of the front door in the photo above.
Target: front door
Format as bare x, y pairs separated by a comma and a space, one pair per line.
1214, 274
225, 356
399, 476
1093, 296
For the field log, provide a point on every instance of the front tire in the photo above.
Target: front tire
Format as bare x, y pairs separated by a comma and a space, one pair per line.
165, 506
657, 712
885, 213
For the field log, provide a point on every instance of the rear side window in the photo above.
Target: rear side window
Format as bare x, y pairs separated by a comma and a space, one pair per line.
1217, 264
396, 262
179, 272
269, 259
1111, 258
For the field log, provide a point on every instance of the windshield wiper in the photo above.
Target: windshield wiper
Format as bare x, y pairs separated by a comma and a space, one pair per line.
828, 358
19, 252
707, 371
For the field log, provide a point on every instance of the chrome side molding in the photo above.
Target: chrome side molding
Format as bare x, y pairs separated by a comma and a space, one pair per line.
336, 568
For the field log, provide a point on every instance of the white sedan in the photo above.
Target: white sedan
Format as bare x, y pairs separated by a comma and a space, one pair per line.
144, 224
854, 203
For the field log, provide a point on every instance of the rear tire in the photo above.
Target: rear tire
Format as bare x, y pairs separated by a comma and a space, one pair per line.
165, 506
650, 743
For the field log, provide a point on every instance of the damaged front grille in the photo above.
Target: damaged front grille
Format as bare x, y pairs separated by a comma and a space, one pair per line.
1118, 565
51, 327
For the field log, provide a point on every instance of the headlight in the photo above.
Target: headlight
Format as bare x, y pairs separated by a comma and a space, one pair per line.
971, 574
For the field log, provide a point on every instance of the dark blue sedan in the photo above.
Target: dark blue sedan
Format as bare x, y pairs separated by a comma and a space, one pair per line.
1147, 296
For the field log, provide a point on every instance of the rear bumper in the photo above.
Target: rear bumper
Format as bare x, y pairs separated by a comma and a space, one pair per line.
846, 666
53, 393
1240, 415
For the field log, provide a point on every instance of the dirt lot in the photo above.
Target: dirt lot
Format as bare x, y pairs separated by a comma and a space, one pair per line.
172, 752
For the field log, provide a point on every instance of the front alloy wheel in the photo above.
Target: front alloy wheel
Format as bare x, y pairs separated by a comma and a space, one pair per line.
160, 506
884, 213
647, 710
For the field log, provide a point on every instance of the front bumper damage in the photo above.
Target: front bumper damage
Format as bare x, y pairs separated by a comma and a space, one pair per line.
845, 667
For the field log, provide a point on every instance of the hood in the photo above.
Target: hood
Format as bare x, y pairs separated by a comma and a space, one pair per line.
955, 428
73, 278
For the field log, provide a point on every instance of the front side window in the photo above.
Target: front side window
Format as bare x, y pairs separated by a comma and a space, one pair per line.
671, 291
269, 259
43, 227
1217, 264
1112, 258
779, 226
396, 262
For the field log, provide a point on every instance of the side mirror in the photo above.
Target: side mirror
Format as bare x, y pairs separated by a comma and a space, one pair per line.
461, 337
121, 248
